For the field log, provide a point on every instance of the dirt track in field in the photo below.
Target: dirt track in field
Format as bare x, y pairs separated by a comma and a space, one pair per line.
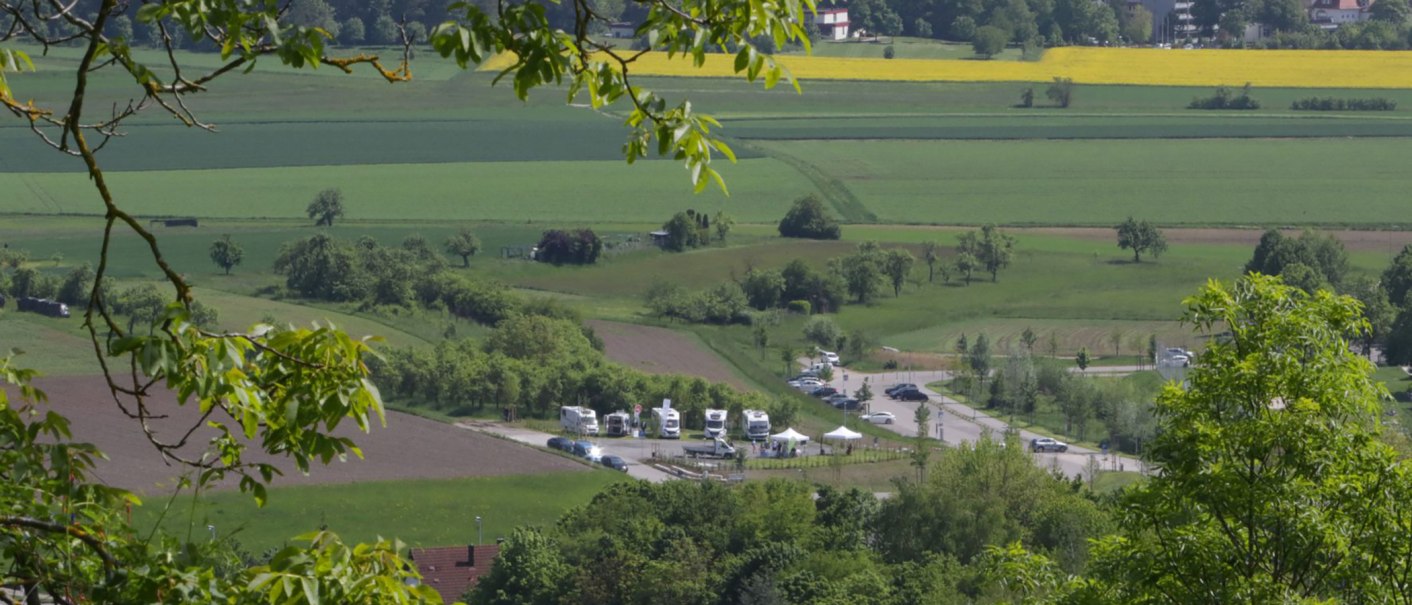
663, 351
409, 447
1355, 240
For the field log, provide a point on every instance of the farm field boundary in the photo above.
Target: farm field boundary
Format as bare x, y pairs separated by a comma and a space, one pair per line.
1140, 66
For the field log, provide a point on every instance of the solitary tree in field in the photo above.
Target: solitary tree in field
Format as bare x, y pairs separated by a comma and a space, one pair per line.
226, 253
327, 206
931, 253
1028, 338
464, 244
1082, 359
722, 224
988, 42
1140, 237
897, 265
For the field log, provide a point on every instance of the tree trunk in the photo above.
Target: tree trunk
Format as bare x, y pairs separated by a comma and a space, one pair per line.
1136, 255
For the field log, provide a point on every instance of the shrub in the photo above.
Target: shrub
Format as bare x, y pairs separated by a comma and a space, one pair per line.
798, 306
889, 52
808, 219
1061, 92
1332, 104
1224, 99
890, 364
988, 41
579, 247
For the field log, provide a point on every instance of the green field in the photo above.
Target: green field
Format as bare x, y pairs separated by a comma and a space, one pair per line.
420, 513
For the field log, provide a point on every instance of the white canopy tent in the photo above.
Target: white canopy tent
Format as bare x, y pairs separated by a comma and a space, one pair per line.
843, 433
790, 435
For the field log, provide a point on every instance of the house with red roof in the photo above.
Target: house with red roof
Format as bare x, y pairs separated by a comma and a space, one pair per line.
1330, 14
452, 570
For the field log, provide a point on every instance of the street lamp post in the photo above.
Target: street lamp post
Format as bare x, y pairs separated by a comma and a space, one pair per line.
479, 535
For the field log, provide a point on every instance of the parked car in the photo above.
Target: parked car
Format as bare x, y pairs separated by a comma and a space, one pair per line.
809, 384
829, 357
835, 398
1045, 444
586, 449
847, 403
824, 391
805, 374
910, 395
614, 462
561, 443
879, 417
899, 387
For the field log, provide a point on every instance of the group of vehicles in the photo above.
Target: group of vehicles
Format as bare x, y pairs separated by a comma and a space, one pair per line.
588, 451
665, 423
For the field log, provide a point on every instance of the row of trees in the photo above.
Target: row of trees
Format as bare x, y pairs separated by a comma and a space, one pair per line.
532, 364
778, 541
1022, 22
691, 229
1289, 20
140, 303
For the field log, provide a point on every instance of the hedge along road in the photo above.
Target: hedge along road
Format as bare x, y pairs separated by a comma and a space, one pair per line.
964, 424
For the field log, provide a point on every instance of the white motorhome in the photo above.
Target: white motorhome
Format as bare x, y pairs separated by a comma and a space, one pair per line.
755, 424
668, 423
715, 423
618, 424
578, 420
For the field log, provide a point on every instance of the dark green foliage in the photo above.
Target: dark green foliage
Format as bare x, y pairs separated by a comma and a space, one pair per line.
1225, 99
577, 247
1141, 236
990, 249
1323, 259
763, 288
988, 41
1333, 104
226, 253
76, 286
1027, 97
801, 307
28, 281
1397, 278
327, 206
823, 291
808, 219
888, 52
725, 303
687, 230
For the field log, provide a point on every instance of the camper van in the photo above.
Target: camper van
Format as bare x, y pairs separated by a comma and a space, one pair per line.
715, 423
668, 423
578, 420
617, 424
755, 424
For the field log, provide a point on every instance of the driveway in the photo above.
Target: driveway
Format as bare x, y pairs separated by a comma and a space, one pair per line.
963, 424
634, 451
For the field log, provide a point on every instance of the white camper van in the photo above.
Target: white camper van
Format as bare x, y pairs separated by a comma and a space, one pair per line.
715, 423
668, 423
755, 424
618, 424
578, 420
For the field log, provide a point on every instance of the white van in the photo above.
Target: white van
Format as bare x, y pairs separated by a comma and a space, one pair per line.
829, 357
578, 420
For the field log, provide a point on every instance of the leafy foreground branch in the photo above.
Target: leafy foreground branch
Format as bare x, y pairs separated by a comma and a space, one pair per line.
283, 391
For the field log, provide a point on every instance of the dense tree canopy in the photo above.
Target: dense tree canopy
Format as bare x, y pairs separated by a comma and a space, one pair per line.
808, 218
1140, 237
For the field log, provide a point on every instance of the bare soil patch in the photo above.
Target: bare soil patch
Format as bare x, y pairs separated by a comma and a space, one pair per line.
409, 447
662, 351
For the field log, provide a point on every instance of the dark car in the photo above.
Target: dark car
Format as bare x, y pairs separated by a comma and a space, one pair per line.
615, 463
848, 404
582, 448
561, 443
822, 392
910, 395
892, 390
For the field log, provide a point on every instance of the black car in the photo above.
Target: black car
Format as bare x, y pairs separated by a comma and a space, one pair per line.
561, 443
850, 404
615, 463
910, 395
581, 448
822, 392
892, 390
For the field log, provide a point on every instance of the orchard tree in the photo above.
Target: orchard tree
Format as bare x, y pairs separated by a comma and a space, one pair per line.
897, 265
931, 253
1028, 338
988, 41
327, 206
279, 392
226, 253
966, 264
1140, 237
722, 224
1082, 359
464, 244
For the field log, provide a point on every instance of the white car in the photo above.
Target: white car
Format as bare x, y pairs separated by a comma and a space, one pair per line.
808, 384
829, 357
879, 417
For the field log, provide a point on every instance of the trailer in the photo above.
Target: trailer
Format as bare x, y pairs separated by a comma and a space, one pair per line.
618, 424
715, 423
668, 422
43, 306
578, 420
755, 424
716, 448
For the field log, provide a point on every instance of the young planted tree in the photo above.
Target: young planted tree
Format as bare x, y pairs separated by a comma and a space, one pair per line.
327, 206
1116, 339
226, 253
1082, 359
931, 253
722, 224
1028, 339
464, 244
921, 449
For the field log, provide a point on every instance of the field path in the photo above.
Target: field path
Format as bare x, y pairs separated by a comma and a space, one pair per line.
663, 351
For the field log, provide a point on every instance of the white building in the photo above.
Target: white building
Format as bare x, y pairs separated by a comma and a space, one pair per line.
1330, 14
832, 23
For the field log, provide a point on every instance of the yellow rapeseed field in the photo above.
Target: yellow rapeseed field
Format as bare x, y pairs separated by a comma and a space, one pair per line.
1144, 66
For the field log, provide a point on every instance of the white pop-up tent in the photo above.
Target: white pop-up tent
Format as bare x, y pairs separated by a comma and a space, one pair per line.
843, 434
790, 435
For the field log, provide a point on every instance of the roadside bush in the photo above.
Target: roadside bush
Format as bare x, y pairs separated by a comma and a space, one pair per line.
1225, 99
1332, 104
809, 219
822, 331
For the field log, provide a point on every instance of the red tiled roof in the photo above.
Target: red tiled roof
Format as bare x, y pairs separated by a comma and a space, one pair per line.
1351, 5
452, 570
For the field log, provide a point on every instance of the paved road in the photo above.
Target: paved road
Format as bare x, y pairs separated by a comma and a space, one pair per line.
963, 424
634, 451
